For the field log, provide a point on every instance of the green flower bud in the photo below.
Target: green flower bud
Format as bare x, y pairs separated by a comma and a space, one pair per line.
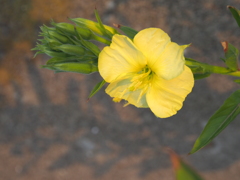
55, 34
69, 29
73, 50
54, 53
85, 59
55, 60
45, 28
83, 68
51, 43
94, 26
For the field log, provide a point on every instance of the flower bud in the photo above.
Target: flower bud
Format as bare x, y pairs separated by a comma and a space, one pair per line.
83, 68
56, 35
52, 53
51, 43
72, 49
94, 26
69, 30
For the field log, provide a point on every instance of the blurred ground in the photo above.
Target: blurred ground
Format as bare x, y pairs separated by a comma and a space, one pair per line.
49, 131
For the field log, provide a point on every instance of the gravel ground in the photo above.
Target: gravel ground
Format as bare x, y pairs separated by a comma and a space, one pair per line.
49, 131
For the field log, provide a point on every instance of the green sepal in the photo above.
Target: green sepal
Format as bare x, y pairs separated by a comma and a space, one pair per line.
236, 14
83, 68
96, 88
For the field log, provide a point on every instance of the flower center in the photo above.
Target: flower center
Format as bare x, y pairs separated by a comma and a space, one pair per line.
142, 79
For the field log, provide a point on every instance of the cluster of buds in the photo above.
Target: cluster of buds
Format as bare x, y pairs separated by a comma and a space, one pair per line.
71, 46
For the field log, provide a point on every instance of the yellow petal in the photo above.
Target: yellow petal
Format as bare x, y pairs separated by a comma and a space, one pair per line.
171, 61
120, 58
166, 97
164, 57
151, 42
119, 90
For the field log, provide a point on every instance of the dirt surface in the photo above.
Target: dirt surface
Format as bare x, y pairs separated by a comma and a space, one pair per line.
49, 131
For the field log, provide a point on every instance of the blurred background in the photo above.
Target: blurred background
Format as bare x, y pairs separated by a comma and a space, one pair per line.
49, 131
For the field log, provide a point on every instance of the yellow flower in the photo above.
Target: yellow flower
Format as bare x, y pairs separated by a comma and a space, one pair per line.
149, 71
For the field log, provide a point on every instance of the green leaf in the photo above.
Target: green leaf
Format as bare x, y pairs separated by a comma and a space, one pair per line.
96, 88
236, 14
83, 68
89, 45
237, 81
127, 30
201, 76
182, 170
231, 56
101, 26
219, 121
199, 70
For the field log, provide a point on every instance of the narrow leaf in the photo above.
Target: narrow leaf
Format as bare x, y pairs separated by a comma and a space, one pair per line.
89, 45
219, 121
231, 56
127, 30
201, 76
96, 88
182, 170
236, 14
102, 28
93, 26
237, 81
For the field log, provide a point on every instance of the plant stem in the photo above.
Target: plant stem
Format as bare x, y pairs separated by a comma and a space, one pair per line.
206, 68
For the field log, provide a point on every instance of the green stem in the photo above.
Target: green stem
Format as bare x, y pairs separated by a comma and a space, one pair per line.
210, 68
236, 73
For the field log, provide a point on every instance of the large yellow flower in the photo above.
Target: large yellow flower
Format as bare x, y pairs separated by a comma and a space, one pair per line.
147, 72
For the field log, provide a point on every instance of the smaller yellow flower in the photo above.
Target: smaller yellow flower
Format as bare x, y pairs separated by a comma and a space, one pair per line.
147, 72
